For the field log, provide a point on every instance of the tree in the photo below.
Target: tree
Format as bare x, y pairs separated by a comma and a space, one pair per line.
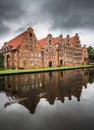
90, 52
1, 60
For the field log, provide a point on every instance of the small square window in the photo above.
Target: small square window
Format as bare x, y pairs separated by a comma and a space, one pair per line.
32, 63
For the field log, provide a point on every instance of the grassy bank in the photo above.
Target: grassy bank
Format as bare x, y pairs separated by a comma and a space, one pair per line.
23, 71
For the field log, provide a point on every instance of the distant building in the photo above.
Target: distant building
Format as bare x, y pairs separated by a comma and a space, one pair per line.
25, 51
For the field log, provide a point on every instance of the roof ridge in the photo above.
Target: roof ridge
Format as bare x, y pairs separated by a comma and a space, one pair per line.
17, 36
15, 41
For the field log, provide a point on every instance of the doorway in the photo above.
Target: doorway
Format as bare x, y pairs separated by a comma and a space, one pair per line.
50, 63
61, 62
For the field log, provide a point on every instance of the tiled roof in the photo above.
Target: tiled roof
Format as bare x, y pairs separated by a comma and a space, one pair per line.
56, 40
72, 39
42, 41
15, 41
64, 40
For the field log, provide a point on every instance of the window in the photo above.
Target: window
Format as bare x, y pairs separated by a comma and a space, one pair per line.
68, 40
14, 54
30, 34
60, 55
30, 40
40, 84
26, 40
26, 46
35, 47
35, 41
27, 54
25, 63
39, 55
32, 63
50, 41
22, 54
25, 78
35, 55
38, 63
31, 54
31, 47
32, 77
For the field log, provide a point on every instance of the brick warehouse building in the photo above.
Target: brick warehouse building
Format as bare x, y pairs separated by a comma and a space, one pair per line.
25, 51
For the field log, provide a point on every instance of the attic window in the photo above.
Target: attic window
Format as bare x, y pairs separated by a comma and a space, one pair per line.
30, 34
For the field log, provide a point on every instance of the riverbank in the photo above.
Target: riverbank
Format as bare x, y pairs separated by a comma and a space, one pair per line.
24, 71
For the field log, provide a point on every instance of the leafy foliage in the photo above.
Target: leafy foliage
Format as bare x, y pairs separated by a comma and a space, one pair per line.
91, 52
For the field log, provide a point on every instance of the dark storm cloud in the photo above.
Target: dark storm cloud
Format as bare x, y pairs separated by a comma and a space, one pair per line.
70, 14
10, 11
57, 14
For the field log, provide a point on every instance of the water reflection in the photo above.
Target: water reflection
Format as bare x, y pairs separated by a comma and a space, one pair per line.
28, 89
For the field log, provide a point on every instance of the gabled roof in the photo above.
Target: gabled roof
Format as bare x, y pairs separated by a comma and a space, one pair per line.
65, 39
15, 41
72, 39
42, 41
56, 40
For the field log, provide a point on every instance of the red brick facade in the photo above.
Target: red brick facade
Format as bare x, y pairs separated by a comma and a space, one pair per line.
25, 51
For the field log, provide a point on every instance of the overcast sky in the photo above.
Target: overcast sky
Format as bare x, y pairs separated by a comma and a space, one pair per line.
47, 16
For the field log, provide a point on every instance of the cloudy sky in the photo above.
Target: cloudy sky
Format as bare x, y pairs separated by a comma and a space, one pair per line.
47, 16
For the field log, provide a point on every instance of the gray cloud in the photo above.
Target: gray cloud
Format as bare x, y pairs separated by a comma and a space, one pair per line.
10, 12
70, 14
58, 14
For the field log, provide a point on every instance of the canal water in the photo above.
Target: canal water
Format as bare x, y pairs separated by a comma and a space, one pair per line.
59, 100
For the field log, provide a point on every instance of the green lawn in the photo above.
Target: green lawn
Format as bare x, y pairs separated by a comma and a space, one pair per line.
20, 71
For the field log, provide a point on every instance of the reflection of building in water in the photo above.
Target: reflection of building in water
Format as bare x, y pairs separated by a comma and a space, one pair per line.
50, 85
2, 83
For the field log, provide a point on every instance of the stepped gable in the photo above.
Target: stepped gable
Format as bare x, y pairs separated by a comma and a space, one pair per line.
15, 41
